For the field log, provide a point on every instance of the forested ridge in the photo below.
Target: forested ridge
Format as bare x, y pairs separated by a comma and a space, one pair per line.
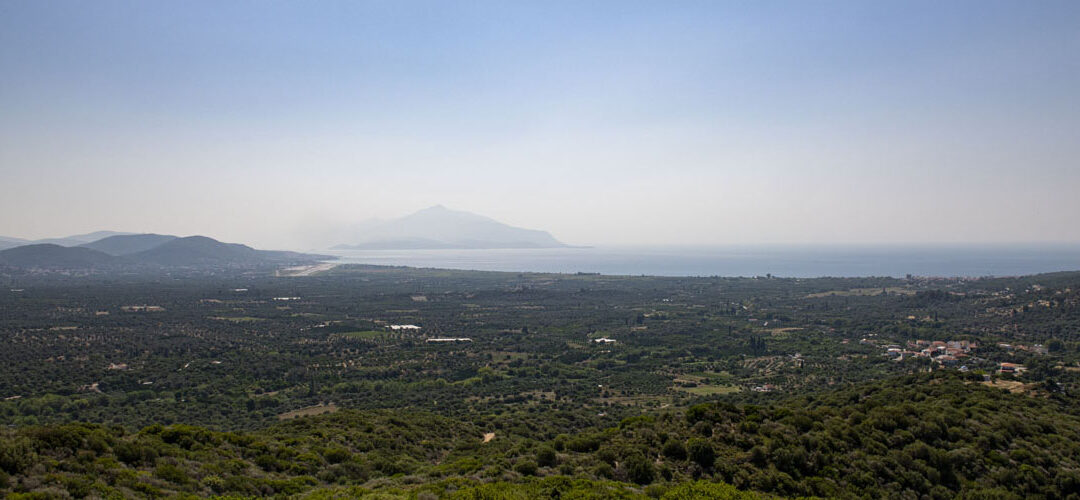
940, 435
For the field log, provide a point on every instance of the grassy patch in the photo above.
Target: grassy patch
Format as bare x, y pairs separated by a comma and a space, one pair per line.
863, 292
710, 390
309, 411
364, 334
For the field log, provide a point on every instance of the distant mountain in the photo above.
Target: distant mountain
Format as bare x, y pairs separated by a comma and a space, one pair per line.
439, 227
79, 239
148, 250
127, 244
47, 255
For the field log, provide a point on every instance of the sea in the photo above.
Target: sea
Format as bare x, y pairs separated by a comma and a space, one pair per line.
779, 261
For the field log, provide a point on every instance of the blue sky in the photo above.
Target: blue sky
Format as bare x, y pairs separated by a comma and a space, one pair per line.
603, 122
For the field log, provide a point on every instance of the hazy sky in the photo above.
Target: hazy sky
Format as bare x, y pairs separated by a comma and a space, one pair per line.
269, 122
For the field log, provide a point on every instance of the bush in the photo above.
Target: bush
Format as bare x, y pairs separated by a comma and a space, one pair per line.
583, 444
135, 453
639, 469
604, 471
15, 455
701, 452
526, 468
171, 473
337, 455
546, 457
675, 450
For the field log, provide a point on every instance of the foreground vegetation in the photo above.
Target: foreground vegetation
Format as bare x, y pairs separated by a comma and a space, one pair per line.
932, 435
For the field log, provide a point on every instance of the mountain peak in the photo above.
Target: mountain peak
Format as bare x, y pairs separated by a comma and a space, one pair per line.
440, 227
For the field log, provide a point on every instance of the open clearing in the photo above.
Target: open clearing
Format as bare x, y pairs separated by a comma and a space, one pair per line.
365, 334
309, 411
1014, 386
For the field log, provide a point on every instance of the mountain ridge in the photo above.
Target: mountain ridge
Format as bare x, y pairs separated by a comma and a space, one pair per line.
148, 251
126, 244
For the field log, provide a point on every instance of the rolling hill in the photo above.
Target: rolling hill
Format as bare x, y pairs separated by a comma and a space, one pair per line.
47, 255
127, 244
200, 250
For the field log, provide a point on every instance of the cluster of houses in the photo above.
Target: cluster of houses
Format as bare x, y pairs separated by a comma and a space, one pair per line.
952, 352
142, 308
946, 352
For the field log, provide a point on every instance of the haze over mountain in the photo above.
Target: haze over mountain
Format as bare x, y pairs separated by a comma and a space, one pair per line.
147, 250
8, 242
79, 239
439, 227
64, 241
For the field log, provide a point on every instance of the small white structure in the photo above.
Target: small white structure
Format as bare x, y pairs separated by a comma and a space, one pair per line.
403, 327
604, 340
142, 308
450, 339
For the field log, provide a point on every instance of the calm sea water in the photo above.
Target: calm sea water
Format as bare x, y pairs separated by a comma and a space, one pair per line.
788, 261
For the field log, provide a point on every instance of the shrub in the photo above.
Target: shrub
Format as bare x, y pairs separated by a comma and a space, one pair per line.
639, 469
674, 449
701, 452
171, 473
546, 457
526, 468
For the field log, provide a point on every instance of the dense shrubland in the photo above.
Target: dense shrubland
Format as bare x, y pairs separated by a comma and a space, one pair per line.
935, 435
